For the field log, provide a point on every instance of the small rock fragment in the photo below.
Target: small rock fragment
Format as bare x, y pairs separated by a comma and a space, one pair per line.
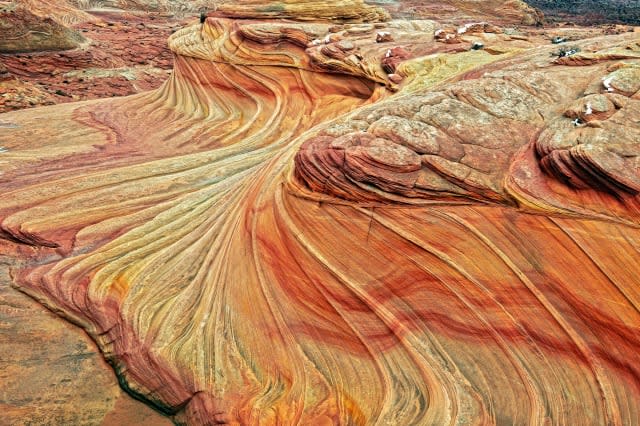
383, 37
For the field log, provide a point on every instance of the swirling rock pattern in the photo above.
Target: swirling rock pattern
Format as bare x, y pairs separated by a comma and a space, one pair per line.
313, 10
52, 373
60, 11
275, 237
23, 30
171, 6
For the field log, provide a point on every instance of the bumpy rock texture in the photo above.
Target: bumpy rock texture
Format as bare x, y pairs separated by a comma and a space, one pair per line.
23, 30
125, 53
314, 223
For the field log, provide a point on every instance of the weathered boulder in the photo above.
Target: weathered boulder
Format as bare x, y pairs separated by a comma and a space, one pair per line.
25, 31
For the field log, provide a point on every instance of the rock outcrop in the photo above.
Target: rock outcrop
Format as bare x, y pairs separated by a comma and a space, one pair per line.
126, 54
312, 224
505, 12
314, 10
61, 11
52, 373
170, 6
25, 31
420, 145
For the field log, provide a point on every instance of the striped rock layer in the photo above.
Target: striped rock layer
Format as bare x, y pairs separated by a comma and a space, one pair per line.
275, 237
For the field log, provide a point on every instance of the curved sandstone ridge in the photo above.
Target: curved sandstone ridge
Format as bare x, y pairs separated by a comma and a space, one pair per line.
348, 49
273, 237
147, 5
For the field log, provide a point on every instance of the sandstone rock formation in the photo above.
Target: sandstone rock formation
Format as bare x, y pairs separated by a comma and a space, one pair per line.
284, 233
25, 31
506, 12
126, 53
172, 6
61, 11
314, 10
51, 373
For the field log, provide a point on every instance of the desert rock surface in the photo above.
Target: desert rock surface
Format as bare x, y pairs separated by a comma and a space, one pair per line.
339, 216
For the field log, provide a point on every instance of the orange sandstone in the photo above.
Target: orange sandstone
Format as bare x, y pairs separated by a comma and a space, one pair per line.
283, 235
